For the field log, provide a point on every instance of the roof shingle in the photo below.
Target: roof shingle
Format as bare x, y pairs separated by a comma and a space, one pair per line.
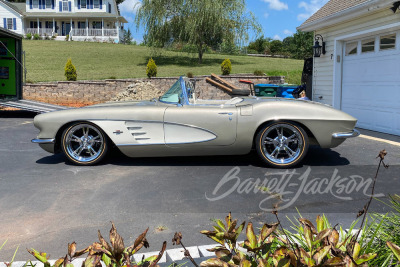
333, 7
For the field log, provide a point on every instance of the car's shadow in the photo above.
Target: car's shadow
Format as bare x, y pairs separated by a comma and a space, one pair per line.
17, 114
316, 157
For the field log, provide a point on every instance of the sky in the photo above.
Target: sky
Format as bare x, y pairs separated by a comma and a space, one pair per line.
278, 18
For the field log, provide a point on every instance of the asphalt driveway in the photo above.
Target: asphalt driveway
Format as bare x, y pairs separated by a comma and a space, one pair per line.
46, 202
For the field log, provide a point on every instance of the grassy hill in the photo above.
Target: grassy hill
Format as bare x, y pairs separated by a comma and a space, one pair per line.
45, 61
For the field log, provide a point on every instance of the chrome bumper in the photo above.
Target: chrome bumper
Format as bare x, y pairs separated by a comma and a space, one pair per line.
43, 141
353, 133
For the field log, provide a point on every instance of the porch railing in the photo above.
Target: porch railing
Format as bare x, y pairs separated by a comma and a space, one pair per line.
79, 32
74, 32
94, 32
48, 32
110, 32
32, 30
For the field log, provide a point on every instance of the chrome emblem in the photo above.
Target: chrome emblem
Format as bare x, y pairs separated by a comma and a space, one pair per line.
118, 132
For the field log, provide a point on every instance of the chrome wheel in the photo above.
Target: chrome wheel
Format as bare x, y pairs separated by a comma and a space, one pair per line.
84, 143
282, 144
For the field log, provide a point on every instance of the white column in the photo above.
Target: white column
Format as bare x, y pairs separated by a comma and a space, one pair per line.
102, 27
38, 24
54, 28
118, 30
70, 30
87, 27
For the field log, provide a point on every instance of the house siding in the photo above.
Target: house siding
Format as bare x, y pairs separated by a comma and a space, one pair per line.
324, 67
6, 12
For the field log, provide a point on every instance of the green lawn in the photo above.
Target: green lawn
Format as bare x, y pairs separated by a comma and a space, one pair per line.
45, 61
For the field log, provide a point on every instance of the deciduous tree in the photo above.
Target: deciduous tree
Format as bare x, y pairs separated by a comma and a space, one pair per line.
199, 22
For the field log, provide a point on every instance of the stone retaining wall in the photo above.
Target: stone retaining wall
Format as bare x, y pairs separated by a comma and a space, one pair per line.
81, 93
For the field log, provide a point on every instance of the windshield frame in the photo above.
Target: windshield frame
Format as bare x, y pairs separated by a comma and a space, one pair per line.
184, 100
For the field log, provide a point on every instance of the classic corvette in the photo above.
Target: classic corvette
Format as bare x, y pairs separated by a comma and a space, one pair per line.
178, 124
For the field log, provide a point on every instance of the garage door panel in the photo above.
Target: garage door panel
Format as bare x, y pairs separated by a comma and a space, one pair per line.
371, 90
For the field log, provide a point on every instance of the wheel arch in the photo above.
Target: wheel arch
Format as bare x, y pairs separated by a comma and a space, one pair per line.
306, 129
57, 144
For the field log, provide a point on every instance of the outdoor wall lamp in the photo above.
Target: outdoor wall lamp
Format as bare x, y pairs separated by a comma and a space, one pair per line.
395, 6
318, 49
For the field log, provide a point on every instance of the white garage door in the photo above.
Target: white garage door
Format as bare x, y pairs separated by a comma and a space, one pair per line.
371, 82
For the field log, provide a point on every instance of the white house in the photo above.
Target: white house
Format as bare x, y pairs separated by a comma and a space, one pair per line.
360, 71
79, 19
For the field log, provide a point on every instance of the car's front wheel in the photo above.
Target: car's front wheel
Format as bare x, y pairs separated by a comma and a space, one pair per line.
84, 144
282, 144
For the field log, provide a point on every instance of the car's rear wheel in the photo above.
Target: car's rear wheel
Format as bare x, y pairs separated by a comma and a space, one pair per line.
84, 144
282, 144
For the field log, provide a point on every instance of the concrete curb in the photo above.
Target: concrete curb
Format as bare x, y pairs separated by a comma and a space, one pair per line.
170, 256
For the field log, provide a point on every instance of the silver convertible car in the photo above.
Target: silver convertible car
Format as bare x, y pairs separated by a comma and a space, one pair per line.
178, 124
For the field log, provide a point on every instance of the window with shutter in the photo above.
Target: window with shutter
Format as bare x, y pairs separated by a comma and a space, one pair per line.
10, 24
65, 5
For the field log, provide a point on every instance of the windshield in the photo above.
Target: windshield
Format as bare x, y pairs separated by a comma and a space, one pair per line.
173, 94
178, 93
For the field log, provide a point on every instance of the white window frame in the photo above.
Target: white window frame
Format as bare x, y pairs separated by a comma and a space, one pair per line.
347, 53
48, 4
65, 6
10, 25
85, 4
35, 3
368, 40
96, 3
387, 35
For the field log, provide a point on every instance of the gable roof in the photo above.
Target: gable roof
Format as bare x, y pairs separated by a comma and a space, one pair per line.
8, 33
333, 7
337, 11
18, 7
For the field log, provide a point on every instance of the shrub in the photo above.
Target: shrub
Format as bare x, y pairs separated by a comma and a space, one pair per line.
383, 228
258, 73
67, 37
28, 36
112, 254
112, 78
70, 71
312, 246
226, 67
189, 75
36, 36
151, 70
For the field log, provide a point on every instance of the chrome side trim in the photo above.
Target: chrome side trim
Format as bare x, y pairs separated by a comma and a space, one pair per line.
353, 133
137, 144
43, 141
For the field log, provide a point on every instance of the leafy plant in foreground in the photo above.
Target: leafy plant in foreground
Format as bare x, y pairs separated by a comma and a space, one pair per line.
395, 249
384, 229
113, 254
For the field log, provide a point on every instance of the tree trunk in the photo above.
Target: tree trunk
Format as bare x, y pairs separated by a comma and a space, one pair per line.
200, 47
